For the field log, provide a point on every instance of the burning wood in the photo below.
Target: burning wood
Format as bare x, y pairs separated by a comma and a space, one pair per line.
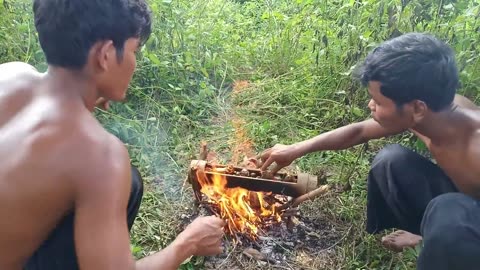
246, 201
310, 195
245, 212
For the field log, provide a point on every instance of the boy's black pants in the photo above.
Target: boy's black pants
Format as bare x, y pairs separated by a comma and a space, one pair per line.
409, 192
58, 251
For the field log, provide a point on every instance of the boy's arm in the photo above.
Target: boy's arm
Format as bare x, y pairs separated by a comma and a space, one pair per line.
101, 233
102, 185
337, 139
346, 136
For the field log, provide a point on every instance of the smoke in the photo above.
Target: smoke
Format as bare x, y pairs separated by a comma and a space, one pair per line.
151, 145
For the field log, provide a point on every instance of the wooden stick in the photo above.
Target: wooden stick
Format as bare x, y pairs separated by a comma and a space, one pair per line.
310, 195
203, 151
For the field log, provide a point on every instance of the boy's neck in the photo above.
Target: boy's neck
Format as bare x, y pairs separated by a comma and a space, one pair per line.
71, 83
444, 127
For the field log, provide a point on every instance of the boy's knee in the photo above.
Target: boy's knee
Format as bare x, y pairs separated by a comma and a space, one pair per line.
442, 236
392, 157
445, 221
389, 154
450, 233
452, 201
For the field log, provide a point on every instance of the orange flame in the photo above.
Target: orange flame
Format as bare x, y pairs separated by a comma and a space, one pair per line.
244, 211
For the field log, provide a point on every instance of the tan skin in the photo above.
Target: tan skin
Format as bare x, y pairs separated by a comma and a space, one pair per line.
452, 136
58, 158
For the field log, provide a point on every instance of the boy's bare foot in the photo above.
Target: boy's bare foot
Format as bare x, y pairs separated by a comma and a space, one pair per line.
399, 240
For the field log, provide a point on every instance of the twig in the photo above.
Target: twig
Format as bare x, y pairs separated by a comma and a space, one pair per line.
183, 186
309, 196
172, 159
282, 267
228, 256
209, 208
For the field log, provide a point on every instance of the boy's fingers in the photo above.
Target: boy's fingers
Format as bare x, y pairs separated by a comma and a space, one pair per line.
217, 221
267, 163
265, 154
276, 168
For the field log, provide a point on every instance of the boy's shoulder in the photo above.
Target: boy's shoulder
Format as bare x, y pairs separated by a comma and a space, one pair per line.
100, 166
98, 150
13, 69
17, 75
86, 155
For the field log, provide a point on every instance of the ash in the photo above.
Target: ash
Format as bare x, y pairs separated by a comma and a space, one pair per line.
277, 244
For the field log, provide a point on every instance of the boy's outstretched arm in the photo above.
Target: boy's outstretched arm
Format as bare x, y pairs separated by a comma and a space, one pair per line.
337, 139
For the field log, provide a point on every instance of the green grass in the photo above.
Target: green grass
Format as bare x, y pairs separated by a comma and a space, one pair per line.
297, 56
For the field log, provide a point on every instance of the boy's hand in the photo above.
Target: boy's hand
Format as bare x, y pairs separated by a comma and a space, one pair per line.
203, 236
102, 103
282, 155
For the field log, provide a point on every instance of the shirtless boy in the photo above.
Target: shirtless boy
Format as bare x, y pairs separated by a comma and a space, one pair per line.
68, 195
412, 81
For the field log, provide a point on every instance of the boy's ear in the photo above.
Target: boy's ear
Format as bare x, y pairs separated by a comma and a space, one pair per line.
105, 54
420, 109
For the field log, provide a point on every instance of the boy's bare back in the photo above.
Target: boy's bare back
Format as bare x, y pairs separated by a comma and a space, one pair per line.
45, 139
65, 182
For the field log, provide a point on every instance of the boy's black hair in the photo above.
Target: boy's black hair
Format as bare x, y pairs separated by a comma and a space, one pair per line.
67, 29
413, 66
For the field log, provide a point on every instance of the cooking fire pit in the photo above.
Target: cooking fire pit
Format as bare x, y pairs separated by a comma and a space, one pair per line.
249, 200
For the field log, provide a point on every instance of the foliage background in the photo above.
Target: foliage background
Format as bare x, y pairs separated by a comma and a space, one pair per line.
297, 56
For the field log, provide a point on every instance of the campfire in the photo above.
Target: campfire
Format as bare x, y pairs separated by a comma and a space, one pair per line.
244, 211
249, 200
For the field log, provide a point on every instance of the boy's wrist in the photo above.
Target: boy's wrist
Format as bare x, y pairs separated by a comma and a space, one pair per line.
300, 149
183, 248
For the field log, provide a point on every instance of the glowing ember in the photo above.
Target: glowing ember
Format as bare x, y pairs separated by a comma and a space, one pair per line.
244, 211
